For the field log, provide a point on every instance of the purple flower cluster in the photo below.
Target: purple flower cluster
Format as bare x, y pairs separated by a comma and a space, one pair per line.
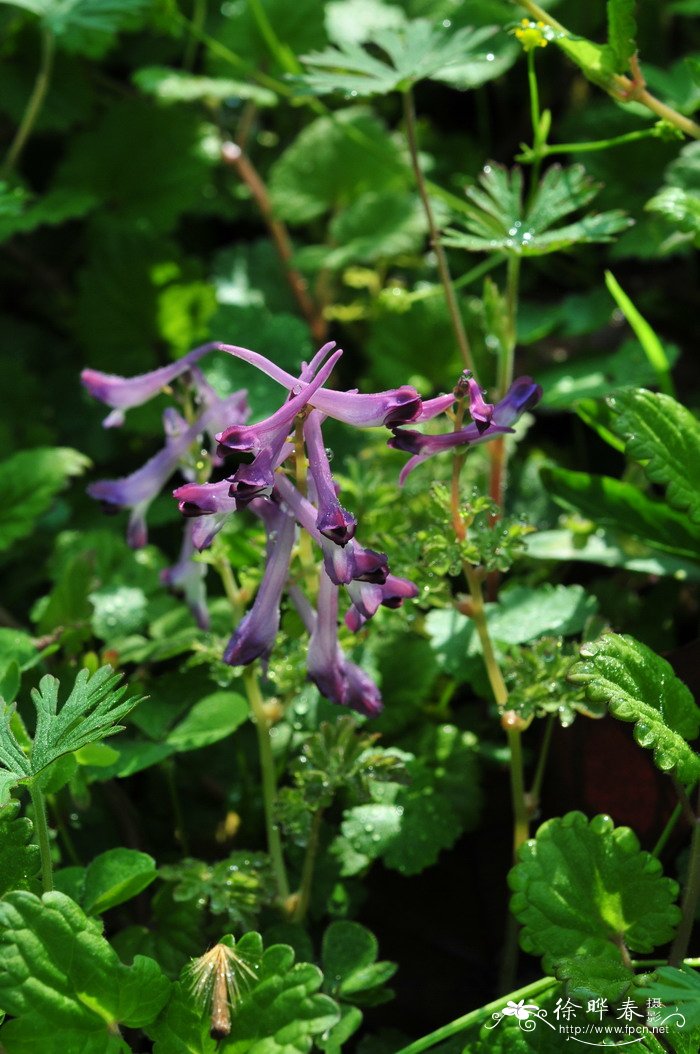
259, 483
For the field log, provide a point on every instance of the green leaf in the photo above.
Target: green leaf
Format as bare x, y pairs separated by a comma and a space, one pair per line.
622, 32
64, 984
583, 891
597, 61
640, 686
665, 437
677, 200
119, 611
54, 208
19, 859
567, 383
87, 27
408, 826
521, 615
116, 876
653, 348
497, 220
89, 715
282, 1012
238, 887
357, 21
211, 719
608, 550
415, 51
171, 85
331, 162
29, 481
350, 969
622, 506
173, 935
675, 988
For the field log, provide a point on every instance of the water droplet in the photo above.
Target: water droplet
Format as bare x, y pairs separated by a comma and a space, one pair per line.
297, 389
446, 23
490, 57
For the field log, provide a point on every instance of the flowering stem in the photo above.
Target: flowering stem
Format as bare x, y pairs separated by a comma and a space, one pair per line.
35, 103
178, 814
547, 149
475, 1017
42, 836
233, 155
691, 896
621, 87
307, 871
443, 266
538, 146
269, 782
533, 795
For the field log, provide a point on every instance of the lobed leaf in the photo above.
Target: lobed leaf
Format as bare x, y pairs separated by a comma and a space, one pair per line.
585, 895
64, 984
640, 686
86, 27
665, 437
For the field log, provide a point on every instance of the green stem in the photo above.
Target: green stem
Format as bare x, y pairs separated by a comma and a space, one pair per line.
443, 267
307, 871
540, 15
647, 964
471, 276
547, 149
42, 836
668, 830
536, 118
269, 782
178, 814
691, 896
475, 1017
35, 103
199, 18
536, 788
64, 833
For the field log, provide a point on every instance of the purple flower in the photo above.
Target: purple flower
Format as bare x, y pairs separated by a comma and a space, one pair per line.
137, 491
187, 577
521, 396
481, 412
255, 636
368, 596
333, 521
328, 667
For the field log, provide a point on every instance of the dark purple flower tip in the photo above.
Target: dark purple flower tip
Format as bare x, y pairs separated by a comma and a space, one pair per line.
204, 499
395, 590
337, 524
369, 566
403, 405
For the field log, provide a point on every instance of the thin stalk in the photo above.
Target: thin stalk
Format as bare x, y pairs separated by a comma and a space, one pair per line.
199, 17
63, 832
269, 782
475, 1017
691, 896
536, 788
443, 267
591, 146
231, 589
668, 830
34, 104
233, 155
536, 118
178, 814
471, 276
647, 964
42, 836
307, 871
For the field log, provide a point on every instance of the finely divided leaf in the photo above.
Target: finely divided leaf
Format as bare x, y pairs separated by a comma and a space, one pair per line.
497, 219
86, 27
675, 988
171, 86
586, 895
64, 984
640, 686
89, 715
665, 437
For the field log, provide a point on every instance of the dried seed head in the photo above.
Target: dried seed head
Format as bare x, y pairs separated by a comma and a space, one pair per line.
218, 979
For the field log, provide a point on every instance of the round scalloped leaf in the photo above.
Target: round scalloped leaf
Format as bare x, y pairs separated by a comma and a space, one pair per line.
586, 895
64, 984
638, 685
